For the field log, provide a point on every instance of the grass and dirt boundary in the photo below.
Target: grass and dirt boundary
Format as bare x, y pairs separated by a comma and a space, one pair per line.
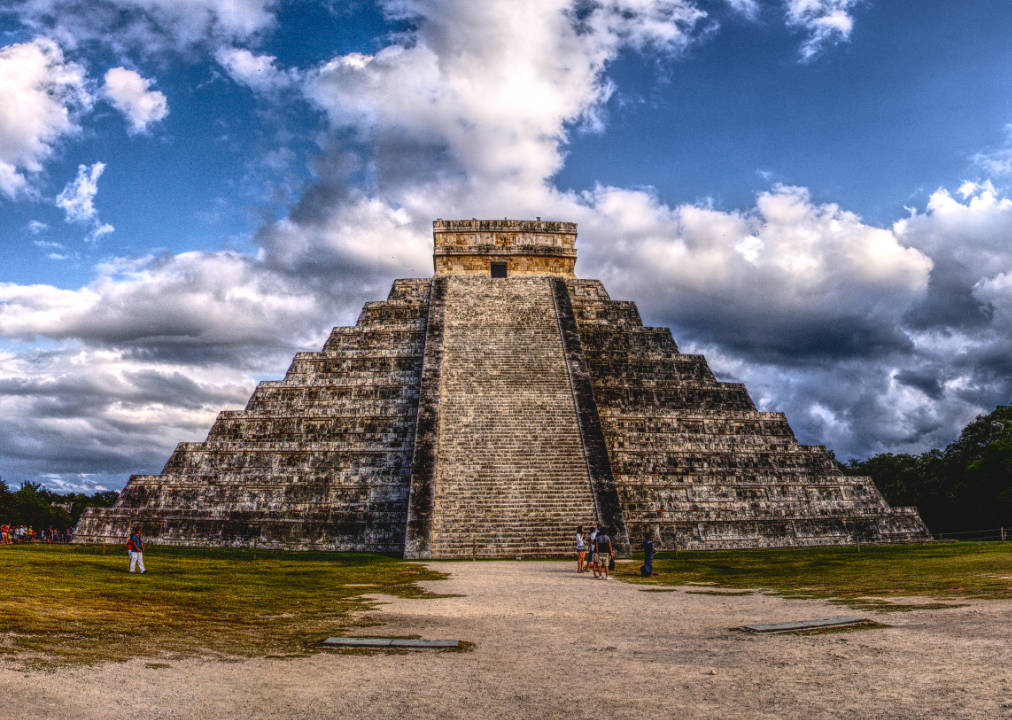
73, 604
66, 604
869, 578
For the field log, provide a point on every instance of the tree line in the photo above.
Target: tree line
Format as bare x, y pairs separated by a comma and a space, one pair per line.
38, 507
966, 486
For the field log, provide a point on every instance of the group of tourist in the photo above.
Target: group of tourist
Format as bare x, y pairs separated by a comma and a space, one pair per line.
11, 534
595, 553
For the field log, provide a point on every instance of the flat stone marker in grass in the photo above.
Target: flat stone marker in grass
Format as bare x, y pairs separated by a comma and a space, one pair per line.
411, 643
804, 625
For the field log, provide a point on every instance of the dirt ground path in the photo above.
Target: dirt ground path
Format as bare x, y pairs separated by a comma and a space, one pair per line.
553, 644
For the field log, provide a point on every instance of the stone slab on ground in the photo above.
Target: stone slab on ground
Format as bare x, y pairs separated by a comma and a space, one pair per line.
795, 625
366, 642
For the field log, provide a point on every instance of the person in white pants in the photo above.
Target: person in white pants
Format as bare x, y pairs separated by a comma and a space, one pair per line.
135, 548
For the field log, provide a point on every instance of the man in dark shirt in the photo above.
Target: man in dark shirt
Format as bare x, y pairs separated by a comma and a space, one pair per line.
604, 554
648, 555
135, 548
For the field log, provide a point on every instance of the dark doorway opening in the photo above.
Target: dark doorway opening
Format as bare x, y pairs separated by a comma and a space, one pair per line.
498, 269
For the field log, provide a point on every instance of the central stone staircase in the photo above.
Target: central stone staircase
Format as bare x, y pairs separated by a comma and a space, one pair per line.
512, 474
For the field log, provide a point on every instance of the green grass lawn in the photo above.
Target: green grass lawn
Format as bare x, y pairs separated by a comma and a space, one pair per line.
63, 604
861, 579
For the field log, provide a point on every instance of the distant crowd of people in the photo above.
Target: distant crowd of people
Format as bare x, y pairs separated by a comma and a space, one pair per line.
595, 553
11, 534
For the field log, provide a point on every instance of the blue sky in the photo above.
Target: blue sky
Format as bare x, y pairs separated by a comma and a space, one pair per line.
813, 193
875, 124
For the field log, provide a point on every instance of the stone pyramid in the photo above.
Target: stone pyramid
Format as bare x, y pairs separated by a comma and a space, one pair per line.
489, 410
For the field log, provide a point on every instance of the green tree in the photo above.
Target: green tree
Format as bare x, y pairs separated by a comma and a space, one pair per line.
29, 506
898, 477
967, 486
5, 501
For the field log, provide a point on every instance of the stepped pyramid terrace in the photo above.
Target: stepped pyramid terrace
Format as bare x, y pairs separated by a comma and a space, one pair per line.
489, 410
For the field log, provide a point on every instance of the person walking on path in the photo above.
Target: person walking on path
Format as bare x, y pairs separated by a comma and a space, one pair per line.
581, 549
604, 554
135, 548
648, 556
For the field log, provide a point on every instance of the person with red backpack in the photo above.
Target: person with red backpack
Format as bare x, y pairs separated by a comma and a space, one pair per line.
135, 549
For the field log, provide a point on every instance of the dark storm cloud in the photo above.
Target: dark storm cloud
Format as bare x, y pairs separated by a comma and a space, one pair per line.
71, 396
950, 301
194, 307
765, 336
924, 379
105, 422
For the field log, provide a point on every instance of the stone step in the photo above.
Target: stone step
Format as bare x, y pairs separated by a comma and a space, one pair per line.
387, 407
352, 378
364, 354
688, 415
315, 413
387, 313
680, 442
204, 462
392, 335
400, 340
321, 363
262, 477
725, 396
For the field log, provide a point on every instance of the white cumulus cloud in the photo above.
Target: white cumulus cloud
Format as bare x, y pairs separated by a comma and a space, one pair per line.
825, 22
41, 96
500, 106
132, 95
748, 8
77, 200
257, 72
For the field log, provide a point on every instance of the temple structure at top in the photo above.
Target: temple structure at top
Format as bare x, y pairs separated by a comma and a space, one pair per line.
498, 248
488, 411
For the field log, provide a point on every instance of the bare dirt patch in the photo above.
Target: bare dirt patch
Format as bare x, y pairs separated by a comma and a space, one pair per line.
550, 643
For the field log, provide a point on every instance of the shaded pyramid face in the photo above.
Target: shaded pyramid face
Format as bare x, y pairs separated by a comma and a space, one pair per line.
489, 411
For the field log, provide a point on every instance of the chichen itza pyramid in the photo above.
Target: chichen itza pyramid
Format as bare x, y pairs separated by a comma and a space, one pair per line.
488, 411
